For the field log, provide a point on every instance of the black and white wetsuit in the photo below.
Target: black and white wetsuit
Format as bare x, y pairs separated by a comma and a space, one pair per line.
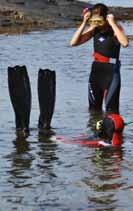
105, 80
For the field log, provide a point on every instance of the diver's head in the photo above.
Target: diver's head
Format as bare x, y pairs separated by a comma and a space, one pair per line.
100, 10
110, 125
98, 14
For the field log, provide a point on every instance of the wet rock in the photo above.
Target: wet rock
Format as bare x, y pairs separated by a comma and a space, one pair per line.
48, 13
20, 2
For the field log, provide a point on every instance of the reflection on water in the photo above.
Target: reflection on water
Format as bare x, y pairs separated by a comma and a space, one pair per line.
21, 162
40, 174
105, 178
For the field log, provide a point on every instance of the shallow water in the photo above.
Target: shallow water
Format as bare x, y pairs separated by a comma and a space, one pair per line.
119, 3
37, 174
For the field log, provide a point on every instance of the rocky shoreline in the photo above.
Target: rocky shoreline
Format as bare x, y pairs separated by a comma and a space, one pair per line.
19, 15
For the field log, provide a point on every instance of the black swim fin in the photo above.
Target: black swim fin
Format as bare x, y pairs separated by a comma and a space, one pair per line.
20, 95
46, 96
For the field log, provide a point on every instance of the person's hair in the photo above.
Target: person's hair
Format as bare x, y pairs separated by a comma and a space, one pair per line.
100, 9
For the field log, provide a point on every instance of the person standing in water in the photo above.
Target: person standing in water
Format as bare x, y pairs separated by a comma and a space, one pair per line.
108, 35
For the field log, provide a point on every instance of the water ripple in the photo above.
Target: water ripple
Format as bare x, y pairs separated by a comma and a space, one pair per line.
40, 174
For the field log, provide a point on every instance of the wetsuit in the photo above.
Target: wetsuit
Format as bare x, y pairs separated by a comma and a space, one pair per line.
104, 80
46, 96
20, 95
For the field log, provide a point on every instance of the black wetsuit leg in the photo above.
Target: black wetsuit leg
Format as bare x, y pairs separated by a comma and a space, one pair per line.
104, 81
95, 91
46, 96
20, 95
113, 93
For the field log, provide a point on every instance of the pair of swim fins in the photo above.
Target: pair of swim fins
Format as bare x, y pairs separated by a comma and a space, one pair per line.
20, 95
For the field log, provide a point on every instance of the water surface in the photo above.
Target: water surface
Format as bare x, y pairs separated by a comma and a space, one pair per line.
37, 174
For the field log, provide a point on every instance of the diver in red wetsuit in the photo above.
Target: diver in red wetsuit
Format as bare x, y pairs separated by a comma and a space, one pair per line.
104, 80
110, 129
109, 134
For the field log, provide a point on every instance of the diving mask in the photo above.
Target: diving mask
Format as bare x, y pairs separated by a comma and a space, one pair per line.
97, 20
